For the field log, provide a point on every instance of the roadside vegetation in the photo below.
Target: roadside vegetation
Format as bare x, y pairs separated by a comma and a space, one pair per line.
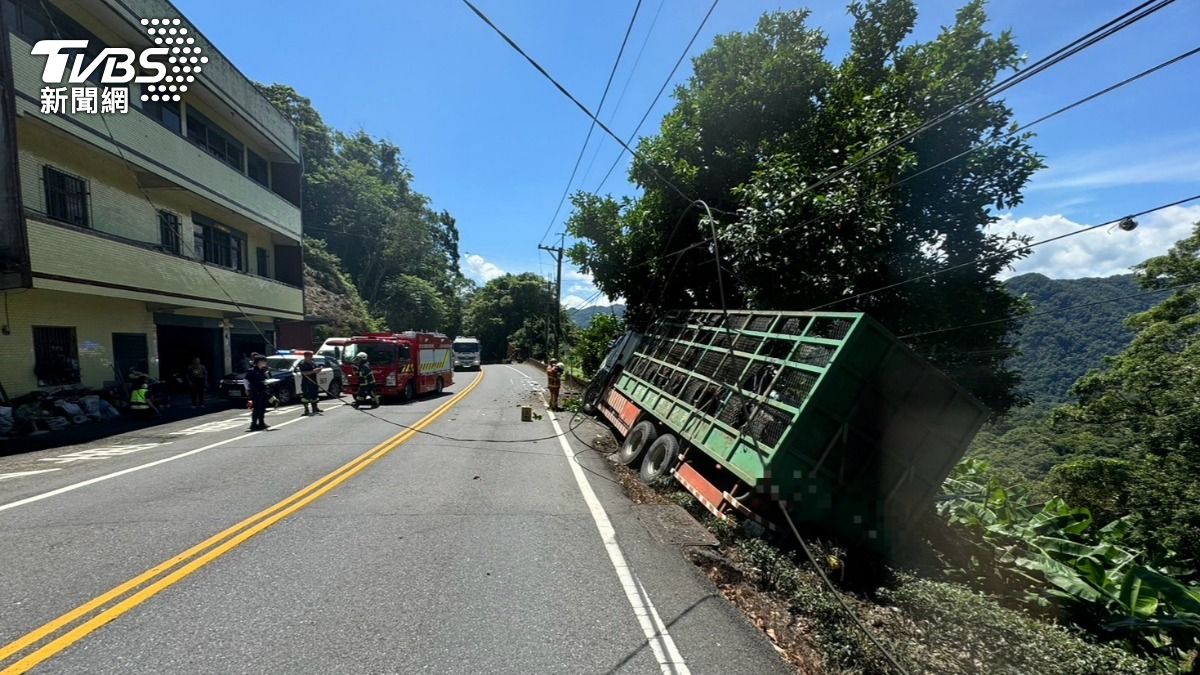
1069, 540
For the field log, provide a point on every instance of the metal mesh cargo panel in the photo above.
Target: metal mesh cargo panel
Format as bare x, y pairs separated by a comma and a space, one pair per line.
816, 403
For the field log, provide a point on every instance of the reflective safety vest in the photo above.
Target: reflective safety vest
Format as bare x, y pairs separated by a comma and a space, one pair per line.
137, 399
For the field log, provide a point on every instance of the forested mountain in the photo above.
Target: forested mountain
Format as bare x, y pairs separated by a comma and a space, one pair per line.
1058, 347
583, 316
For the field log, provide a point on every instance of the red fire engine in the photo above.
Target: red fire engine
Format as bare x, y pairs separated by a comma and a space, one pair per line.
405, 364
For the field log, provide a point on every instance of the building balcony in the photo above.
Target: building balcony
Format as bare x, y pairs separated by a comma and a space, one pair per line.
156, 150
67, 258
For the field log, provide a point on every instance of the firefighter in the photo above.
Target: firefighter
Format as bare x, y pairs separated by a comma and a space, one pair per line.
310, 389
256, 382
554, 382
366, 382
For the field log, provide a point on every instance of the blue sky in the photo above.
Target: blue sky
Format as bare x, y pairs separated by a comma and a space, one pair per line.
492, 142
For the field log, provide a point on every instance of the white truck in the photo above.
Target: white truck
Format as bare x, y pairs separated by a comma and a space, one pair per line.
467, 353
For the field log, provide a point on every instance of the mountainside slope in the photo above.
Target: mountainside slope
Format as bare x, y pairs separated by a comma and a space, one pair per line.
1059, 347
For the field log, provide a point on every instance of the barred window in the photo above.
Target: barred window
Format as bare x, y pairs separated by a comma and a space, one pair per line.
169, 232
66, 197
55, 356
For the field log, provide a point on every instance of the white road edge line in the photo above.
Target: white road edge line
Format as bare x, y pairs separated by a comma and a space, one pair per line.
122, 472
18, 474
665, 652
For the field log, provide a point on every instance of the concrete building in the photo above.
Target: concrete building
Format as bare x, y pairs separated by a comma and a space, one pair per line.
144, 238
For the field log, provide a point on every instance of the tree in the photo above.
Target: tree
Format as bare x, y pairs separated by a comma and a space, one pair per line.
1150, 394
358, 198
764, 117
511, 308
411, 303
592, 343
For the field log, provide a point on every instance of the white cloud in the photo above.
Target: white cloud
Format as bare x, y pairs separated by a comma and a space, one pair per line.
1175, 160
479, 269
1101, 252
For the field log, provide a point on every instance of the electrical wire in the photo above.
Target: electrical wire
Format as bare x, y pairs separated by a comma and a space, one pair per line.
1052, 311
783, 507
592, 127
1079, 44
650, 108
987, 143
565, 92
1006, 253
271, 343
624, 88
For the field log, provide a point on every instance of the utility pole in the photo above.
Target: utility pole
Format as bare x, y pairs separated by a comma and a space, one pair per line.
555, 311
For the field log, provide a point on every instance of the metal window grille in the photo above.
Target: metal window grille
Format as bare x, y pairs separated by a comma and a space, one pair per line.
169, 227
66, 197
55, 356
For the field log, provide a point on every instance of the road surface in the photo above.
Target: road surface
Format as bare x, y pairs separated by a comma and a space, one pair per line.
350, 544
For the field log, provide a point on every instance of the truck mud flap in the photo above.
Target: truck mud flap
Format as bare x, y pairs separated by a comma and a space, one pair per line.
620, 411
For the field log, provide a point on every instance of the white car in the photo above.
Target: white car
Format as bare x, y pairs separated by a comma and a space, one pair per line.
284, 382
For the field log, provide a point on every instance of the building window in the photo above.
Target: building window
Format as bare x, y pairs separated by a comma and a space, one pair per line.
36, 20
220, 245
55, 356
263, 261
218, 142
66, 197
165, 113
170, 231
256, 168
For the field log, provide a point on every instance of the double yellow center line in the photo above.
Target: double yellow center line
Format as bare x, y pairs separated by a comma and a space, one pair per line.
93, 614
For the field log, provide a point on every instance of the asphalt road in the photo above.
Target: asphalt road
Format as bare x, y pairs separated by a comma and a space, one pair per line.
327, 545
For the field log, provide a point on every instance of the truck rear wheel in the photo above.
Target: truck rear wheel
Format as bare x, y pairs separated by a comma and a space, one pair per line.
636, 441
660, 459
440, 386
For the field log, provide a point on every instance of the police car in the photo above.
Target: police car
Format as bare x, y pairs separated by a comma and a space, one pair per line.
284, 382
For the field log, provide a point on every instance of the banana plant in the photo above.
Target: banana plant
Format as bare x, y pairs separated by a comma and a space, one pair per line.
1053, 548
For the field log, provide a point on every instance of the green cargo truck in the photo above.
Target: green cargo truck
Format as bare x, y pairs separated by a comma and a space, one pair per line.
827, 414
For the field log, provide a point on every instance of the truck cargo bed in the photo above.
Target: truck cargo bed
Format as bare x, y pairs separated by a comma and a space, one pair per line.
827, 412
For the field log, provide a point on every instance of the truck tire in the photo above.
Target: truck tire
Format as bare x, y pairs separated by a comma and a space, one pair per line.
440, 386
410, 391
636, 441
660, 459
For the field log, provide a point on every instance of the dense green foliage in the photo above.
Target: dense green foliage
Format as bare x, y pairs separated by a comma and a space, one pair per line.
330, 295
764, 117
358, 199
1050, 555
591, 343
930, 626
513, 310
1058, 347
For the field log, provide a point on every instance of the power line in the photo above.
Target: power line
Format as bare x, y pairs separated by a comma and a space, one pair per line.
1051, 311
563, 90
1006, 253
624, 88
1079, 44
975, 148
625, 146
592, 127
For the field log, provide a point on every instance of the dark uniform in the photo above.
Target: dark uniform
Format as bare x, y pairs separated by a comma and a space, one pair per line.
256, 382
366, 383
310, 389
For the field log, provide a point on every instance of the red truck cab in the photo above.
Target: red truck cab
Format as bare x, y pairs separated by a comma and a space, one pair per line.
404, 364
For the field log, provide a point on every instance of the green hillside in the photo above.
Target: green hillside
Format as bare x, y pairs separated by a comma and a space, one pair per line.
583, 316
1058, 348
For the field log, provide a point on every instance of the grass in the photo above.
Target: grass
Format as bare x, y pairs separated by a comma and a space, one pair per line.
930, 626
